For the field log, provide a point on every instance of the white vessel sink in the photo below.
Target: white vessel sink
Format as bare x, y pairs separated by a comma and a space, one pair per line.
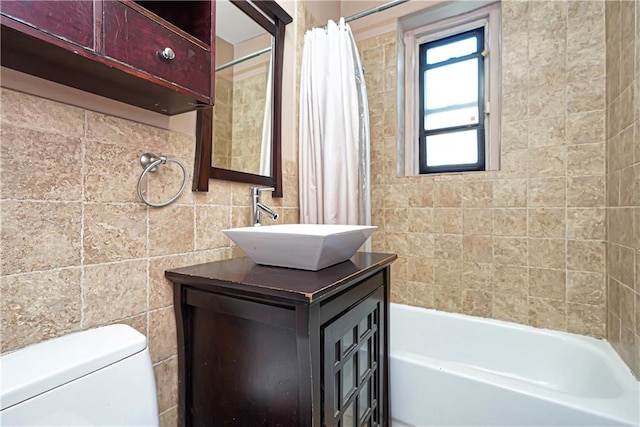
302, 246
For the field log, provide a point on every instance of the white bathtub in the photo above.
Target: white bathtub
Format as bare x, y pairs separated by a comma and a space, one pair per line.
450, 369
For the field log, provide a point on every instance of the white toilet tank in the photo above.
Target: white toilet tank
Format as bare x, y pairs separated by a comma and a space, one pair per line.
98, 377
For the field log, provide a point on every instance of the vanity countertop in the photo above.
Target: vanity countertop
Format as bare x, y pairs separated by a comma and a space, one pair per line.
242, 274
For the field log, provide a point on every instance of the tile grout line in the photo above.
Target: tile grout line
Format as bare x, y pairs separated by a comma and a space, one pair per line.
83, 173
566, 173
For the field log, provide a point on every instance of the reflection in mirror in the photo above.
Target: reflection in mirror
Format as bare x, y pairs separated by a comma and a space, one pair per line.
247, 117
242, 113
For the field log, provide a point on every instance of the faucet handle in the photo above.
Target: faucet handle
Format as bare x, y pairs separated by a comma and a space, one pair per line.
255, 191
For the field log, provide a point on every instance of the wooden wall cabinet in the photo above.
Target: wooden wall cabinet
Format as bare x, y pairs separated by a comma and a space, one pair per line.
158, 55
267, 346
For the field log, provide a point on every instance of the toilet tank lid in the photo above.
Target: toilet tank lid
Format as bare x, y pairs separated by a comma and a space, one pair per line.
40, 367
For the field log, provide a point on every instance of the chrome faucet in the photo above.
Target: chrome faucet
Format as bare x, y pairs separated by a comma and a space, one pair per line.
257, 207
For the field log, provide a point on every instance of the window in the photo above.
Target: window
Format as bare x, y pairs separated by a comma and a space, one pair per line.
451, 75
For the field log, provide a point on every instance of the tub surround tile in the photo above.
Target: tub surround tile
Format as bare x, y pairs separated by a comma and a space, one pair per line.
420, 220
395, 220
510, 222
418, 270
447, 272
510, 308
418, 294
447, 194
546, 192
447, 246
547, 222
587, 127
586, 224
586, 320
546, 132
511, 280
547, 161
586, 159
547, 283
447, 221
477, 303
510, 193
477, 194
510, 251
477, 248
586, 191
547, 313
586, 288
477, 221
547, 253
476, 275
514, 134
447, 299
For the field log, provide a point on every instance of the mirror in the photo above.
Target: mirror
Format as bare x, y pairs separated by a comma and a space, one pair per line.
239, 138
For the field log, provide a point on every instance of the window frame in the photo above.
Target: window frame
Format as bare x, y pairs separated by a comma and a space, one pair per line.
423, 133
433, 24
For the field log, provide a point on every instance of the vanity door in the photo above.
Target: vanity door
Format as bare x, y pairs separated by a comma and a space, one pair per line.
353, 365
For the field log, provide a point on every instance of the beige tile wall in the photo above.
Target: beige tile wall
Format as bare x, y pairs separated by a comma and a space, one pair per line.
249, 97
223, 122
79, 249
623, 178
526, 243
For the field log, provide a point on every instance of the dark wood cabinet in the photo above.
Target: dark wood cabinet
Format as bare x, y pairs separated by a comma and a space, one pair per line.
158, 55
268, 346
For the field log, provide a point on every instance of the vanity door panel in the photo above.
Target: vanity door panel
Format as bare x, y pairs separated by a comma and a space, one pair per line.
352, 365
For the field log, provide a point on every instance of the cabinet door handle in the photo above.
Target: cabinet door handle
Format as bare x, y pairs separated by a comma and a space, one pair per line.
167, 54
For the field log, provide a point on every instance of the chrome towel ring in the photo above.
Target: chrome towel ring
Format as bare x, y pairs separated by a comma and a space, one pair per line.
150, 163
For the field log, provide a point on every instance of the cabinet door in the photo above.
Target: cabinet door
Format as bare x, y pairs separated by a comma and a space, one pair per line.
353, 365
70, 21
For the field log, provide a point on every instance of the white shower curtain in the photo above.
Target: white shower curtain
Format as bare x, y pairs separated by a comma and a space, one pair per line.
334, 130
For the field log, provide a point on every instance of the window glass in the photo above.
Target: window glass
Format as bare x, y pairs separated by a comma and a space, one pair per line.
457, 148
453, 84
452, 50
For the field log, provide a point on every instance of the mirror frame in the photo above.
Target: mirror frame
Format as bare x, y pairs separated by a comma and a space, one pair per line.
269, 15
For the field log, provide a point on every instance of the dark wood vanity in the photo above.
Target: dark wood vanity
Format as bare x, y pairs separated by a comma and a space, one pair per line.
269, 346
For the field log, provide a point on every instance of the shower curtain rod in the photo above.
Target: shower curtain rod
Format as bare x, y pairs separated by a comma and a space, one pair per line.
245, 58
374, 10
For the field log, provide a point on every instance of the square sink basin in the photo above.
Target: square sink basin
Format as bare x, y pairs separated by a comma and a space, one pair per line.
303, 246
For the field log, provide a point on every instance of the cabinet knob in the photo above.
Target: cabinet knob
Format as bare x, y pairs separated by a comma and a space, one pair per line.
167, 54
